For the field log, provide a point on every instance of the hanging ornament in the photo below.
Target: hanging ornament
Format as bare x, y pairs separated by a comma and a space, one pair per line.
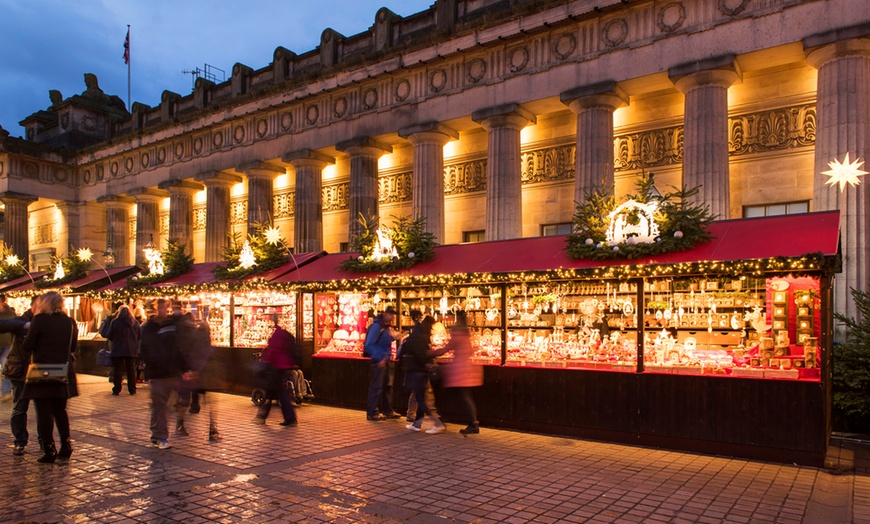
247, 259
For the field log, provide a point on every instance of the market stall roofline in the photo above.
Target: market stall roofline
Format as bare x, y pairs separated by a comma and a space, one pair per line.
738, 239
95, 278
16, 283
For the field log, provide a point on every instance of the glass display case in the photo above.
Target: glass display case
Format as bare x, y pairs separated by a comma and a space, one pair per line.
216, 310
340, 323
253, 315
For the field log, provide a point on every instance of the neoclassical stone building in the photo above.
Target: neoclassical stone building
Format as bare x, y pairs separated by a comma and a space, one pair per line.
488, 117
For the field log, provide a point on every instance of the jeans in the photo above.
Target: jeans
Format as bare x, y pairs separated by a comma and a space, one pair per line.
18, 420
278, 390
380, 389
48, 412
418, 381
431, 401
6, 384
120, 366
161, 390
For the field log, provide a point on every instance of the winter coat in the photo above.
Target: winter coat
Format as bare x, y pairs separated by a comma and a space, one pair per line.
159, 348
461, 372
280, 350
414, 348
18, 360
123, 332
51, 339
6, 337
378, 341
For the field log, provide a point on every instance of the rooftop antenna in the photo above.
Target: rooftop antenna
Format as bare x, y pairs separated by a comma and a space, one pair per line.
209, 72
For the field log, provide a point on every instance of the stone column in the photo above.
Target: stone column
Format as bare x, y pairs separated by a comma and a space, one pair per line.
504, 190
308, 205
594, 106
15, 223
147, 220
117, 224
705, 133
261, 178
843, 126
181, 210
427, 182
363, 199
217, 212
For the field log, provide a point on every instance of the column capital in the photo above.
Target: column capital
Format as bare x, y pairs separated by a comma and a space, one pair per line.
429, 132
819, 55
307, 157
116, 201
721, 70
261, 170
14, 196
507, 115
364, 146
217, 178
607, 95
181, 186
147, 194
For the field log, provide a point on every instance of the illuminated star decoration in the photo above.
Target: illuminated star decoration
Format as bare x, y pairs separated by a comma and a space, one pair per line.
85, 254
247, 259
845, 173
273, 235
12, 260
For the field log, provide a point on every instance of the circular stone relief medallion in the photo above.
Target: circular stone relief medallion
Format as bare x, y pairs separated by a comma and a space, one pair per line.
2, 168
101, 173
286, 121
128, 164
145, 160
614, 32
564, 45
89, 123
197, 145
671, 17
339, 108
518, 59
217, 140
312, 114
86, 176
30, 170
179, 150
262, 127
113, 168
161, 155
239, 133
403, 89
475, 70
437, 80
370, 98
60, 175
732, 7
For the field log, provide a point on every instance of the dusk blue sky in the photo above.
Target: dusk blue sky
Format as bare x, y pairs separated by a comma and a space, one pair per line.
50, 44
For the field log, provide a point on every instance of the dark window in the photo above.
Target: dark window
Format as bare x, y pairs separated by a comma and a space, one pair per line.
473, 236
769, 210
550, 230
343, 247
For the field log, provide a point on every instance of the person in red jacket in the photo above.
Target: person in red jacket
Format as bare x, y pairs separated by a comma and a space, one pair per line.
463, 374
279, 355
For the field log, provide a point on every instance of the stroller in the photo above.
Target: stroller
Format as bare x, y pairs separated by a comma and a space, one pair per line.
298, 386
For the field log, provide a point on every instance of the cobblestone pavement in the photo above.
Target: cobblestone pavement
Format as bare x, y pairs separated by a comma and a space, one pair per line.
337, 467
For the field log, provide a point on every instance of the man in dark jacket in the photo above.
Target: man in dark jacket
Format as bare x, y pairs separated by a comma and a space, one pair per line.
15, 369
164, 364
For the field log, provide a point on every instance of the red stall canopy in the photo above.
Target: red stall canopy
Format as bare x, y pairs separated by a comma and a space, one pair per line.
93, 280
741, 239
16, 283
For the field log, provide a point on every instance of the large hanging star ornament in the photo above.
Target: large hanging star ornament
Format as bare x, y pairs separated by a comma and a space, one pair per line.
845, 173
273, 235
85, 254
12, 260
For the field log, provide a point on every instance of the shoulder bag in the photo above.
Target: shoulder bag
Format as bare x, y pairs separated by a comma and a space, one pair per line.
45, 373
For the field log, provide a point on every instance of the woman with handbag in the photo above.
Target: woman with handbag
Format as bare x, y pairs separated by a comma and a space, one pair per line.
50, 380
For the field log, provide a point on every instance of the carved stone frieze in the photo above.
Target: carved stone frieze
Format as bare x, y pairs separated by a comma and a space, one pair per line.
465, 177
284, 204
394, 188
548, 164
164, 224
656, 147
772, 130
238, 212
199, 219
131, 230
43, 234
336, 196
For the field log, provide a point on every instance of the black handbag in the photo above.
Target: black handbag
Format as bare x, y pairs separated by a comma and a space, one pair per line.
49, 373
434, 372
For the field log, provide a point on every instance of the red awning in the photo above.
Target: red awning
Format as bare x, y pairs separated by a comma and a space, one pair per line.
93, 280
15, 283
742, 239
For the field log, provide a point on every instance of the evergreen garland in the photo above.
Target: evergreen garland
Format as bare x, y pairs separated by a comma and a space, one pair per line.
269, 255
409, 236
682, 223
74, 268
176, 261
10, 271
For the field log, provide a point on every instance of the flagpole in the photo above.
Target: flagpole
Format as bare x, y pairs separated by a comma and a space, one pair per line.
129, 107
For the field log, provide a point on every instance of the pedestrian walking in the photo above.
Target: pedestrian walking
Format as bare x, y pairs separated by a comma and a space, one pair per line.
463, 374
123, 333
6, 313
279, 356
416, 359
51, 339
209, 375
14, 370
377, 345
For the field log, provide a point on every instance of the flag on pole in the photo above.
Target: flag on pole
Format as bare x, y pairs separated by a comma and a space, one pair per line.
127, 47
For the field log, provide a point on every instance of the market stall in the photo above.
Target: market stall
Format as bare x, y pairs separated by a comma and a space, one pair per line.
723, 348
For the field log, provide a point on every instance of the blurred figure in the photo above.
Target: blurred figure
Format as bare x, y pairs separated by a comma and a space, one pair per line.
14, 370
6, 313
416, 358
462, 373
209, 375
279, 355
51, 339
123, 333
378, 346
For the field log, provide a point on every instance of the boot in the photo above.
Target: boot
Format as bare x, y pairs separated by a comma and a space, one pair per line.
213, 433
180, 430
50, 453
65, 448
472, 429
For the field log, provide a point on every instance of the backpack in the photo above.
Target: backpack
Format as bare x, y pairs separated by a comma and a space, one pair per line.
366, 353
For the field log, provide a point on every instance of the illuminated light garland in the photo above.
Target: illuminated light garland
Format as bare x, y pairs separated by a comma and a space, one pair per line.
67, 268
